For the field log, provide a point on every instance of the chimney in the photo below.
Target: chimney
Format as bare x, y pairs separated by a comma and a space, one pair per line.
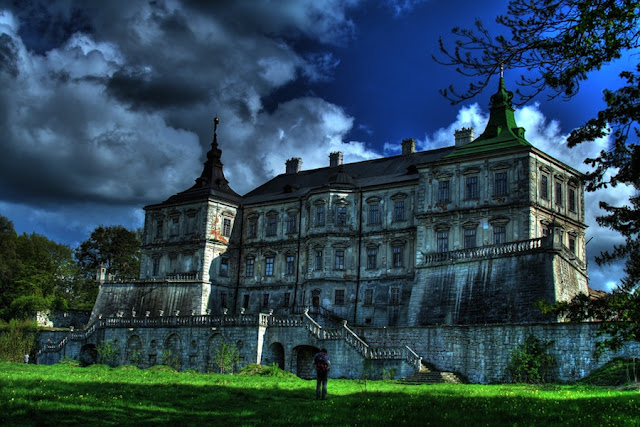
335, 159
294, 165
463, 136
408, 146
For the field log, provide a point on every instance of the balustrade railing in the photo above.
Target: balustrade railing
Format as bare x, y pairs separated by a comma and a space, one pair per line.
484, 251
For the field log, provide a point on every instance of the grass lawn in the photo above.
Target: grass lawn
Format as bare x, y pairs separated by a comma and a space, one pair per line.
68, 394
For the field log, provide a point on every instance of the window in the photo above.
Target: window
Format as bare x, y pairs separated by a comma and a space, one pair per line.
159, 226
443, 241
224, 267
265, 300
268, 266
290, 265
252, 231
394, 297
175, 226
249, 267
319, 259
398, 256
443, 192
226, 227
341, 216
291, 223
319, 216
223, 300
368, 297
173, 263
191, 224
572, 245
572, 200
398, 210
287, 298
559, 193
500, 188
470, 238
156, 266
372, 258
374, 214
272, 225
339, 297
499, 234
339, 261
471, 188
245, 302
544, 187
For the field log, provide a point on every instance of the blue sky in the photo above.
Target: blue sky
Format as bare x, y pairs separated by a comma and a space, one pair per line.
106, 107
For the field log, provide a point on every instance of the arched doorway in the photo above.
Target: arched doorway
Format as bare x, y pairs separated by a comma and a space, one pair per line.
315, 298
134, 350
302, 361
276, 354
172, 352
88, 355
213, 345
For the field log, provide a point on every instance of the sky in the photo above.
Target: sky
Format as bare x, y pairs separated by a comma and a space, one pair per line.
106, 107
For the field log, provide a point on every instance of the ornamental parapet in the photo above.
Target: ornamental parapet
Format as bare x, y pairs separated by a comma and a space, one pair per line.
483, 252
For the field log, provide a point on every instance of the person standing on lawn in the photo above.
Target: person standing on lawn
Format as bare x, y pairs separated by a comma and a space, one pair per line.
322, 364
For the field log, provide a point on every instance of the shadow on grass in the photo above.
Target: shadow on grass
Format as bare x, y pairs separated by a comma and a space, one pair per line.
101, 395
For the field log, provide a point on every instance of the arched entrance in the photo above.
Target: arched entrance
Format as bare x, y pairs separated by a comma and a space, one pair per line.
302, 361
134, 350
276, 354
315, 298
88, 355
172, 352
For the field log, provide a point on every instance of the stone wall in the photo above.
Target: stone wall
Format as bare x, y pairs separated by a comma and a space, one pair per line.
482, 352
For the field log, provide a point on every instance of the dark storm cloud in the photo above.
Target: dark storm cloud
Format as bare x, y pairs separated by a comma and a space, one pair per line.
154, 94
8, 56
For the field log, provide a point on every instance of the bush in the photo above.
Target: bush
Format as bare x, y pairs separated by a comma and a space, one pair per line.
530, 362
16, 340
224, 358
170, 359
108, 353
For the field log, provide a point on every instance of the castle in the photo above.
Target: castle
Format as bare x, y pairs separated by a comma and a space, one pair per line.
361, 258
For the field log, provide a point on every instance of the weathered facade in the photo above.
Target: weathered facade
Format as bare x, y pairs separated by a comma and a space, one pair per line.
474, 233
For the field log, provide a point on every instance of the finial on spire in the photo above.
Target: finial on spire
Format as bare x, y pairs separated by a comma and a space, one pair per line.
216, 120
501, 70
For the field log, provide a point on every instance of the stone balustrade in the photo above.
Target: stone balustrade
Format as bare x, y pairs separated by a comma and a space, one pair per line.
483, 251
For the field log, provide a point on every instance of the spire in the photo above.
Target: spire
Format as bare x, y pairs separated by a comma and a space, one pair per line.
502, 130
212, 175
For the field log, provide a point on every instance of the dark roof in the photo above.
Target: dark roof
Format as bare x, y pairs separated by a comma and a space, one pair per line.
369, 173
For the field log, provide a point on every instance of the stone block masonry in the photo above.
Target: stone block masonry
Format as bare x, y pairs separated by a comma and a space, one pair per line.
482, 352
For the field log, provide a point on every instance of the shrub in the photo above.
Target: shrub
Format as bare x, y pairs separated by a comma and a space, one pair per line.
16, 340
224, 358
530, 362
170, 359
108, 353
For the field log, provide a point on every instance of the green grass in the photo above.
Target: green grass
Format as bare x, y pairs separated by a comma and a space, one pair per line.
68, 394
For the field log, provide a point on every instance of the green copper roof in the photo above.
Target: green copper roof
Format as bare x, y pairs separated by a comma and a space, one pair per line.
501, 132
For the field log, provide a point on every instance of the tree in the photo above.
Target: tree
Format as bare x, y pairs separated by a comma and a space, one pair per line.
557, 44
115, 248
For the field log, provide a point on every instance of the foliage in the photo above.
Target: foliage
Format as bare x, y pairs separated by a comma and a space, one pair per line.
115, 248
530, 362
135, 357
224, 358
108, 353
557, 43
367, 373
272, 370
60, 393
36, 274
388, 374
616, 372
170, 359
16, 340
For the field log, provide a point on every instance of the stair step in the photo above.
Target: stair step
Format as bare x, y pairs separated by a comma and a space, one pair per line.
422, 377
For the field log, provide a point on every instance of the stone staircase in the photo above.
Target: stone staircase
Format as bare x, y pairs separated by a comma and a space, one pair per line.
428, 376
